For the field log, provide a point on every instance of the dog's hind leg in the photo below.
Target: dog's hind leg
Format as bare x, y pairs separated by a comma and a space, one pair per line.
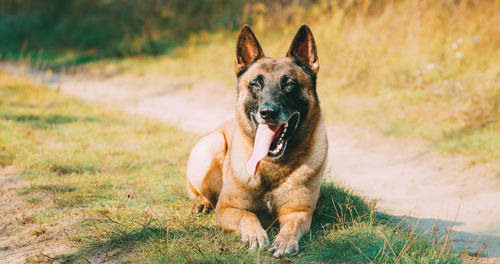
204, 170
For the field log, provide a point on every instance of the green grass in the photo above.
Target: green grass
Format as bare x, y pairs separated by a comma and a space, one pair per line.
49, 59
125, 173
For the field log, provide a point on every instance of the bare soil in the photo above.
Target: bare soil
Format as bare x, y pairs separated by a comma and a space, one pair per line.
24, 236
408, 179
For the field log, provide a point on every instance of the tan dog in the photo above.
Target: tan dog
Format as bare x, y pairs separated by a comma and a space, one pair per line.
266, 164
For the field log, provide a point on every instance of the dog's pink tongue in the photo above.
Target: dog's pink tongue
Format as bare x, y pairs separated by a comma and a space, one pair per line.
263, 139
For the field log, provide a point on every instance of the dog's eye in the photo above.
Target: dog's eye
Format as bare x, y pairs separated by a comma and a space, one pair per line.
289, 85
254, 85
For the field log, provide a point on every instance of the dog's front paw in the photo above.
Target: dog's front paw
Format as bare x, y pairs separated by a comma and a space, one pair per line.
284, 244
253, 235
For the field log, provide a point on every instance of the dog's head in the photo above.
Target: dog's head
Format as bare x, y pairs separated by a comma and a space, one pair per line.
278, 94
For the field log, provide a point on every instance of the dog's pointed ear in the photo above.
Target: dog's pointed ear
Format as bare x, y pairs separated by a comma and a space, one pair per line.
303, 49
248, 50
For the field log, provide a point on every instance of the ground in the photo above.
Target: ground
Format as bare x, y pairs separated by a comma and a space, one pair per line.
24, 236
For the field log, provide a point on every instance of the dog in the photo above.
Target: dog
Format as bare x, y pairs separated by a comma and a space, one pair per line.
266, 164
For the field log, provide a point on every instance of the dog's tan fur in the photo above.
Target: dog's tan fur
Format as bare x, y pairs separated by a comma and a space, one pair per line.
285, 190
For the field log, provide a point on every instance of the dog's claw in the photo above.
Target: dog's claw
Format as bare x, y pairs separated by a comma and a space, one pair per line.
253, 246
255, 237
283, 245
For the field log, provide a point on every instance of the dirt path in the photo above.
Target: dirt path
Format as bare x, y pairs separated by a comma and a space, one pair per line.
405, 178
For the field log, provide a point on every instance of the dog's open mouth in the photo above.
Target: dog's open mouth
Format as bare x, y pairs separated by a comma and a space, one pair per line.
271, 141
280, 139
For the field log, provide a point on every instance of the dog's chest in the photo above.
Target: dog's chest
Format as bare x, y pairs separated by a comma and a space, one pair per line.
268, 202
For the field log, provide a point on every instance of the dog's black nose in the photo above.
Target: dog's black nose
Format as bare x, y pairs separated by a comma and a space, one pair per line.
269, 112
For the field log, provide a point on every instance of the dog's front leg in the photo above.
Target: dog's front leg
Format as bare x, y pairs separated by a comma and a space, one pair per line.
292, 226
244, 222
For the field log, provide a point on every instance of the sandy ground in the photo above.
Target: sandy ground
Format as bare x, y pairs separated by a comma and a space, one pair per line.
408, 180
24, 236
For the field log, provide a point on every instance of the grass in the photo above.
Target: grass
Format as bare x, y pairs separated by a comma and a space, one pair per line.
121, 177
49, 59
410, 69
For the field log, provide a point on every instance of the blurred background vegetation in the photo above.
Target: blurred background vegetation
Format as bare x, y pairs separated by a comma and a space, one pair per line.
101, 28
108, 28
425, 69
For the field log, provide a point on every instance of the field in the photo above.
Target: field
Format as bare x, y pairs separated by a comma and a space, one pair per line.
113, 185
87, 183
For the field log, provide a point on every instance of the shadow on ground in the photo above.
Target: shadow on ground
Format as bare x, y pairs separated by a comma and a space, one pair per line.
442, 231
